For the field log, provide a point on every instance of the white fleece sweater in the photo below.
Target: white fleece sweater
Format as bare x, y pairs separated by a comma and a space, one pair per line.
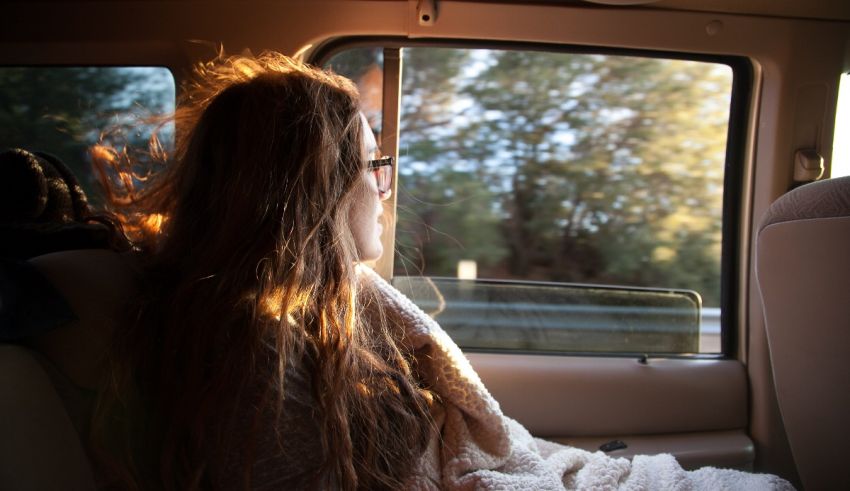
478, 447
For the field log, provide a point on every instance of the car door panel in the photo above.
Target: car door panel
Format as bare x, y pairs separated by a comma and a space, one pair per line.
693, 408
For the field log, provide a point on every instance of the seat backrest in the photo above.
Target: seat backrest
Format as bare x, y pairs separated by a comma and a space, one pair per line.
803, 273
59, 310
41, 449
47, 388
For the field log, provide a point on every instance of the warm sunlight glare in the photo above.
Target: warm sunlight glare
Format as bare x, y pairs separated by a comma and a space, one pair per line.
841, 145
153, 223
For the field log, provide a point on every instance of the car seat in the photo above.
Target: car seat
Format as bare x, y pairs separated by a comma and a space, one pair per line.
52, 334
803, 273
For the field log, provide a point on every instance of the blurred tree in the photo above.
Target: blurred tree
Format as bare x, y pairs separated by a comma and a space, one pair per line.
563, 167
441, 199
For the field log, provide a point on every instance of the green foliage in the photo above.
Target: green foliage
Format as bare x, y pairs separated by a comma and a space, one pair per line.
425, 217
561, 167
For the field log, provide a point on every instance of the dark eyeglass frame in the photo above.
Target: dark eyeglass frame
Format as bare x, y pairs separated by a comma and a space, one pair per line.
384, 170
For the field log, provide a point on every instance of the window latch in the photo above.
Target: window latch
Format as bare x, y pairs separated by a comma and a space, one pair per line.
613, 445
808, 165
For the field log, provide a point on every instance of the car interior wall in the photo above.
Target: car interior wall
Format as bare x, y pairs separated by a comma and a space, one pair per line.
794, 68
160, 33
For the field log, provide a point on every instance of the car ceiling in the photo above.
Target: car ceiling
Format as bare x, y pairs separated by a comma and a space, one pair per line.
805, 9
811, 9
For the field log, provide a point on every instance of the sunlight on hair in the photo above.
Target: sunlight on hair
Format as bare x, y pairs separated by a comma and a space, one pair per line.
104, 153
271, 307
213, 76
110, 166
272, 304
153, 223
156, 149
363, 389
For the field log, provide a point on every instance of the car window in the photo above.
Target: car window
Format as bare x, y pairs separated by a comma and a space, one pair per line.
63, 110
557, 201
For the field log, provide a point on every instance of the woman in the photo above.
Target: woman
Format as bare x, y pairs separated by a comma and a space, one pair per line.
247, 362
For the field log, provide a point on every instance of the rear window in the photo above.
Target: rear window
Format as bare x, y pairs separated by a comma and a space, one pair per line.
553, 201
62, 110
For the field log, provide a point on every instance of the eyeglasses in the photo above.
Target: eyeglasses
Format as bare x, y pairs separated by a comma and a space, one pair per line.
383, 170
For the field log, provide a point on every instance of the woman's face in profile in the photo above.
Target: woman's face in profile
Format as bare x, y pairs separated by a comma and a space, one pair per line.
366, 211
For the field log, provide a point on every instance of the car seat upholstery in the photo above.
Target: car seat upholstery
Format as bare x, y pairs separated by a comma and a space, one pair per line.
41, 449
48, 381
803, 272
56, 312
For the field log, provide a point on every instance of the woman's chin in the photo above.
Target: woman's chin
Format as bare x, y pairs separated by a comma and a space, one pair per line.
376, 254
371, 254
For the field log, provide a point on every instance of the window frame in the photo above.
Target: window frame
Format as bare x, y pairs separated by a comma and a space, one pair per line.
735, 161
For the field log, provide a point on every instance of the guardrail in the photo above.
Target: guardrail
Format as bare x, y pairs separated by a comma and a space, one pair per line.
566, 317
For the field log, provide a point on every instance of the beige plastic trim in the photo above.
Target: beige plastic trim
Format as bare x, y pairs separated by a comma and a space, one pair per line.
802, 268
727, 449
556, 396
389, 146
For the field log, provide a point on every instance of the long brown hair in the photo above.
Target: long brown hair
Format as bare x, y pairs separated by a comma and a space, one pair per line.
248, 265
